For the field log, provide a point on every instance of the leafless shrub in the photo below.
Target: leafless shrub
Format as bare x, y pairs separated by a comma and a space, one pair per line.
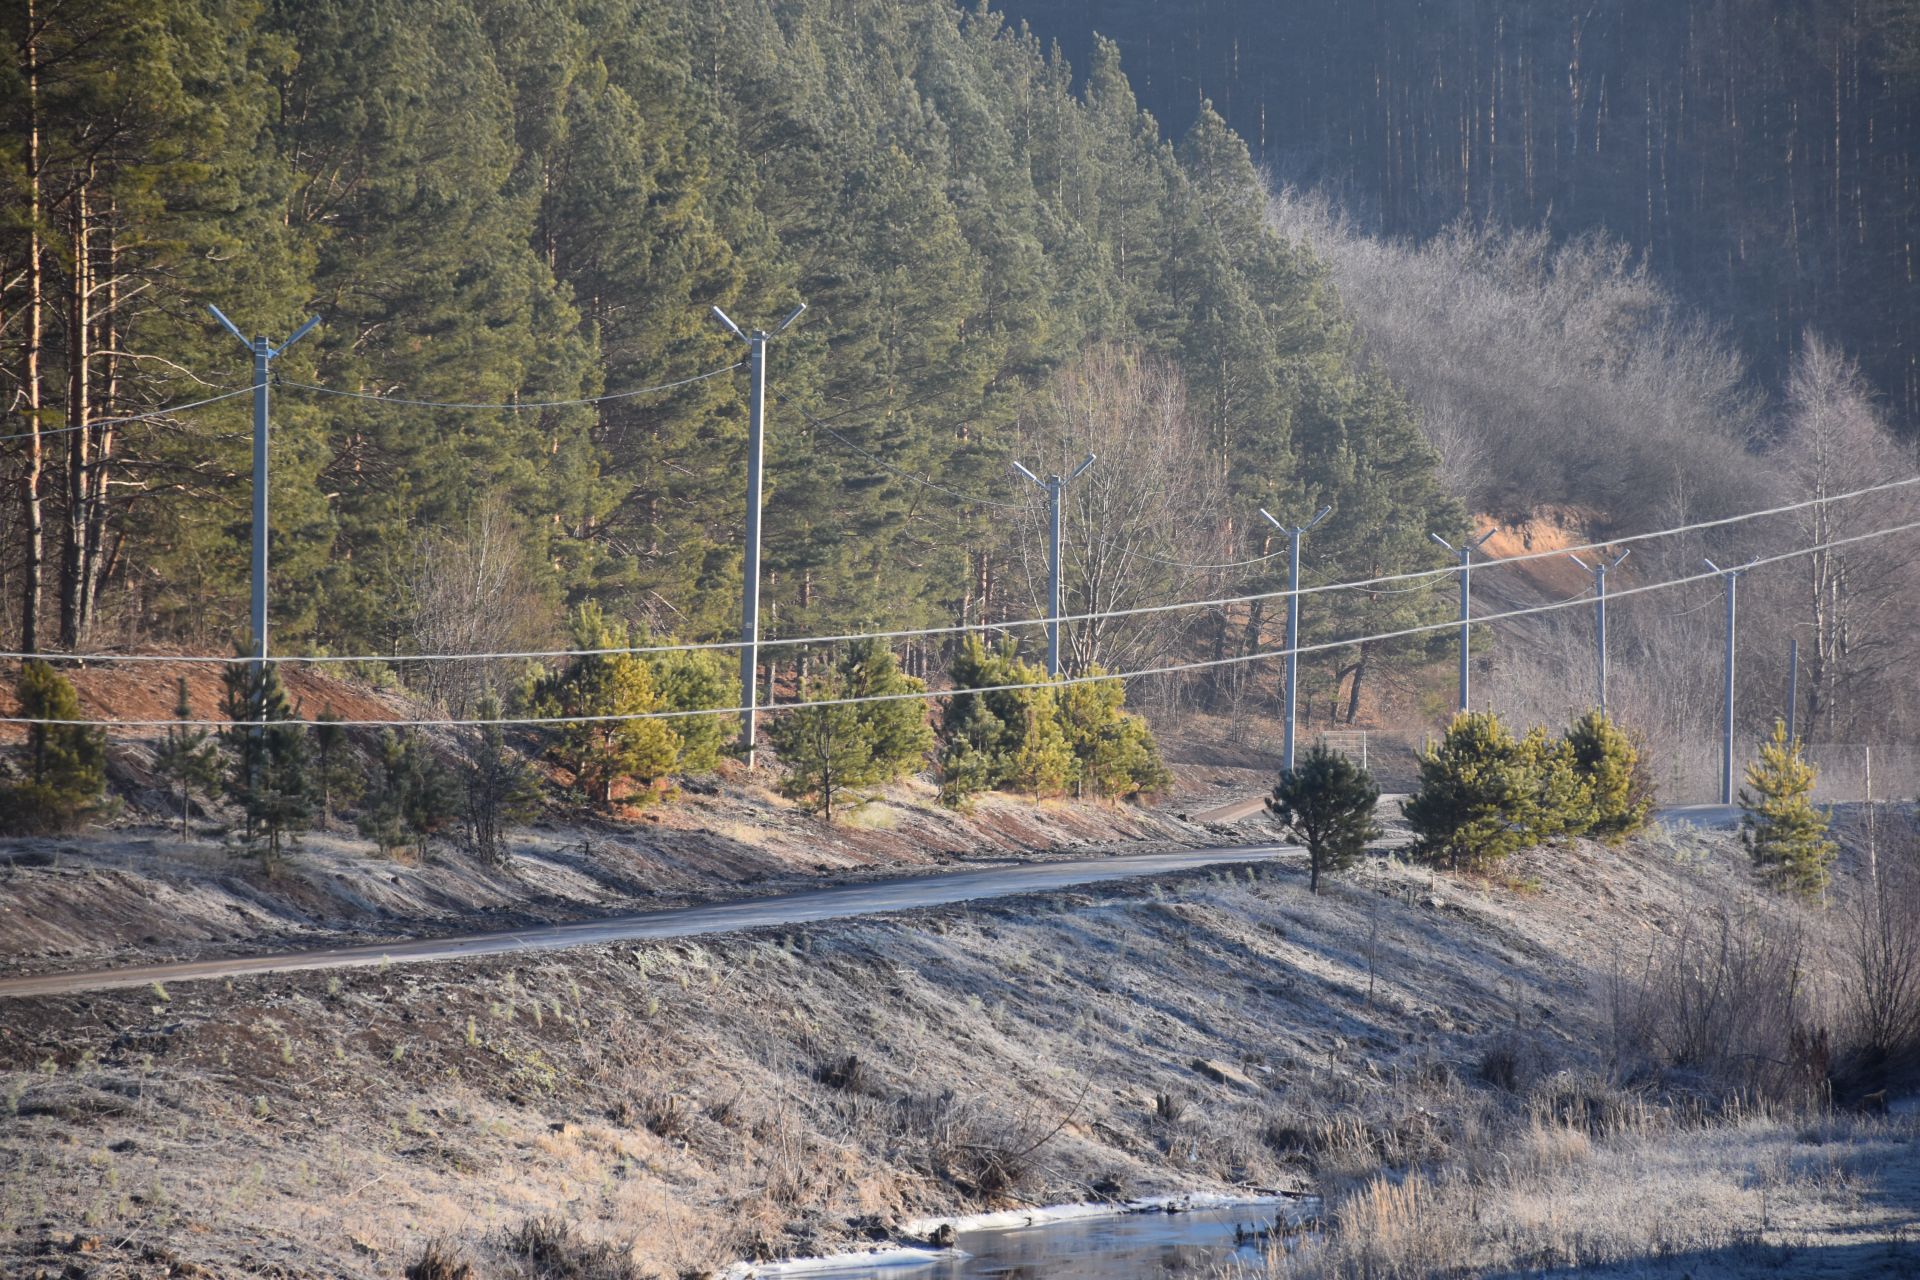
547, 1248
667, 1115
439, 1260
727, 1112
847, 1074
1511, 1061
1729, 1001
966, 1143
1880, 982
1586, 1102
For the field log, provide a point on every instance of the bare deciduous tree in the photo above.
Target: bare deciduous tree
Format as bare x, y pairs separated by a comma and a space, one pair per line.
1137, 523
475, 590
1855, 602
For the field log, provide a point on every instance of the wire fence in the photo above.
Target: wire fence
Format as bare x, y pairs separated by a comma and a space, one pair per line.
1689, 772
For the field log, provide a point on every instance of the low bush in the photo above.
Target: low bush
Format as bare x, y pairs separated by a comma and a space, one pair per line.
1484, 794
1727, 1004
439, 1260
547, 1248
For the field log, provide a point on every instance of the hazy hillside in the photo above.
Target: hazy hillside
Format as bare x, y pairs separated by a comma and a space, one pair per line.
1760, 153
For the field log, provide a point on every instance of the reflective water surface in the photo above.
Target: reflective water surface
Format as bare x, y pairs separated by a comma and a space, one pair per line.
1137, 1246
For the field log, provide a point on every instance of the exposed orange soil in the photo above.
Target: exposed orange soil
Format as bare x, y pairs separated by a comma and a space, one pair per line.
150, 690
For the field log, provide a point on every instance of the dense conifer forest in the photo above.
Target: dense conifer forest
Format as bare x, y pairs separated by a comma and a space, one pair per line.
537, 204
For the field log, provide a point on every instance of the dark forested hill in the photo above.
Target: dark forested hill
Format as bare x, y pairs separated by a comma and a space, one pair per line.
1764, 154
491, 201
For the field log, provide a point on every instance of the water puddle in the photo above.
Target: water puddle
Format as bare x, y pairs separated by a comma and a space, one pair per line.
1148, 1245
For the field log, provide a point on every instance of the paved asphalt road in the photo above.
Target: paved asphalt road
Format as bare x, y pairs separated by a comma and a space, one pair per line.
834, 903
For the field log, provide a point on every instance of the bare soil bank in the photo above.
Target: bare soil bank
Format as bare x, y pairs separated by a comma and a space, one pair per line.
137, 892
789, 1092
143, 894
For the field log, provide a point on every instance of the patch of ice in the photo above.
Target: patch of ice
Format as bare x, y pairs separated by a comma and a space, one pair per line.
1013, 1219
901, 1256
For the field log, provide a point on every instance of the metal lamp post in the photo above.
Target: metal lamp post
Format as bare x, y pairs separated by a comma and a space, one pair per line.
750, 574
264, 354
1465, 551
1732, 579
1055, 486
1293, 621
1599, 571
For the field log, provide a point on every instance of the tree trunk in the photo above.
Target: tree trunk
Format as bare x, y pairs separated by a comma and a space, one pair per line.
35, 549
1353, 695
93, 557
80, 331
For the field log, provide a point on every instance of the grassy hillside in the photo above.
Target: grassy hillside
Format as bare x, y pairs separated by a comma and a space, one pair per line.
692, 1103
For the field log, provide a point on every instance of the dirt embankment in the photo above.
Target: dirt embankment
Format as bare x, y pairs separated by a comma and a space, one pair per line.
136, 891
121, 896
756, 1095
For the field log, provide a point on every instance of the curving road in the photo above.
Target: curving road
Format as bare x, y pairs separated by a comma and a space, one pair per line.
839, 902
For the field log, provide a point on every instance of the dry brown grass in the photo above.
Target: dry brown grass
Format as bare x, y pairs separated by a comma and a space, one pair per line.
694, 1099
1760, 1194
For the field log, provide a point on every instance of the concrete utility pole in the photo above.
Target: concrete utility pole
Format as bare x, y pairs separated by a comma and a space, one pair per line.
264, 353
1599, 571
750, 571
1055, 487
1293, 622
1465, 551
1793, 684
1732, 579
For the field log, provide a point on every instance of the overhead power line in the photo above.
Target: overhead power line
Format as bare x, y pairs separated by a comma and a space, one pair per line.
150, 416
535, 655
511, 406
926, 694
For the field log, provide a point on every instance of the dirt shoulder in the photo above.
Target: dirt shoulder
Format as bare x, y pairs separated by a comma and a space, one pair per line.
790, 1091
136, 892
142, 894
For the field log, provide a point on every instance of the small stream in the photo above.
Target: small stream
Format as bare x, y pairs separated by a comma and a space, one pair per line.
1132, 1246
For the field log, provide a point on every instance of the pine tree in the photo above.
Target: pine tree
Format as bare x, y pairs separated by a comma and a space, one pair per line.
503, 791
1606, 758
826, 750
1326, 803
337, 775
66, 765
896, 730
1115, 753
188, 758
410, 797
271, 775
1477, 800
694, 681
1001, 737
1562, 802
1782, 829
971, 756
833, 750
601, 753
